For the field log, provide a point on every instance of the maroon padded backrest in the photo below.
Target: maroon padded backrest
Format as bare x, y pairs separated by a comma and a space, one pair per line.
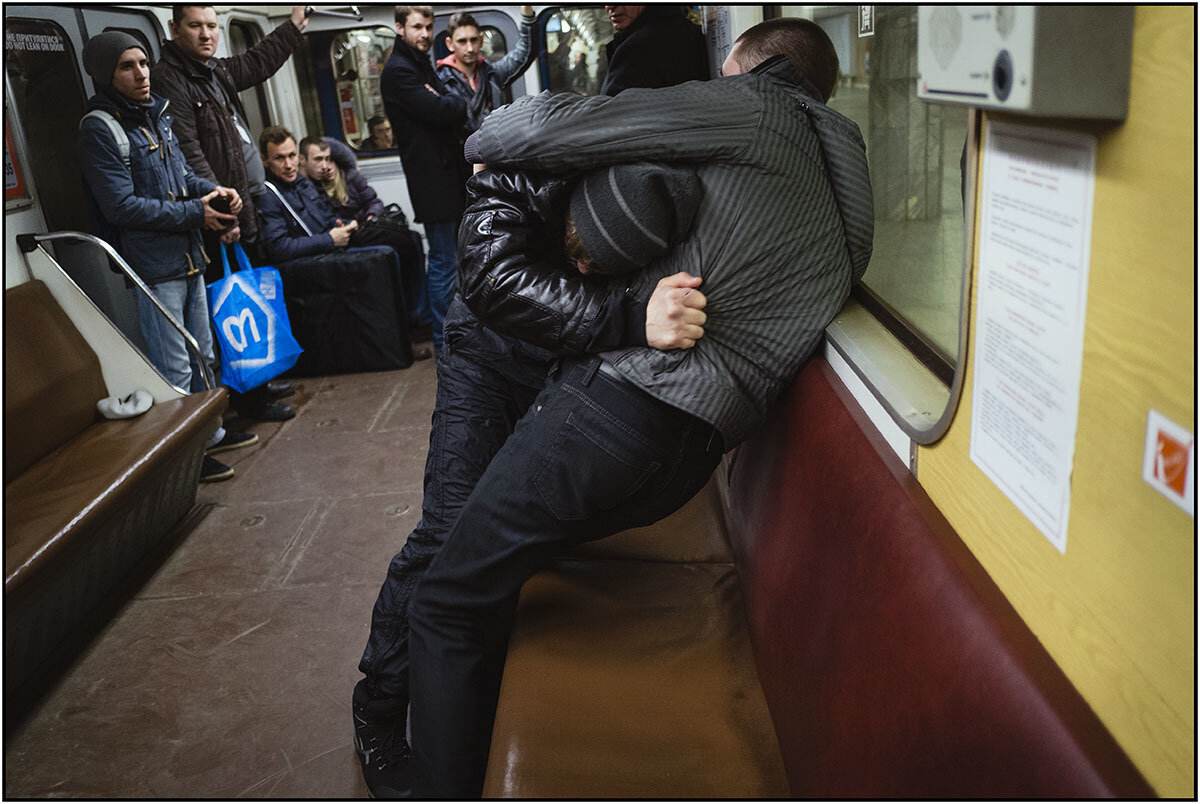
52, 378
892, 664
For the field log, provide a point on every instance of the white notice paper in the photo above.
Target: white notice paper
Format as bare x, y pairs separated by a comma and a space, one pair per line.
1035, 238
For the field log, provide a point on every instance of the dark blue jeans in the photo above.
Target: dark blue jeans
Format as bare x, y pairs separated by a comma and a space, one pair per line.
442, 278
485, 385
592, 457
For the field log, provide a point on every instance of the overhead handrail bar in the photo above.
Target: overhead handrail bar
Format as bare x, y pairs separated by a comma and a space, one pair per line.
354, 13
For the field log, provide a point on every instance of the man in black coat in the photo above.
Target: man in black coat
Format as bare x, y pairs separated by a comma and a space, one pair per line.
654, 46
427, 123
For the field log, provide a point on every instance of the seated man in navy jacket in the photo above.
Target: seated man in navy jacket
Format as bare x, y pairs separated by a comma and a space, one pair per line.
298, 220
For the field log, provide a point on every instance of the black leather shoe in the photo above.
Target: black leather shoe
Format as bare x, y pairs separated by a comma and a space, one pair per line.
270, 412
279, 389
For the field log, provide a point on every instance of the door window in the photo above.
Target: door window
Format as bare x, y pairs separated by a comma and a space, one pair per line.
40, 68
574, 59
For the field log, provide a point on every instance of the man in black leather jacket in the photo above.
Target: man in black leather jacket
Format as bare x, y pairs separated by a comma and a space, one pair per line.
783, 230
515, 223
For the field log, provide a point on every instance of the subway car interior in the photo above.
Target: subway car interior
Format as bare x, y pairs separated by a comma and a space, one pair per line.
954, 559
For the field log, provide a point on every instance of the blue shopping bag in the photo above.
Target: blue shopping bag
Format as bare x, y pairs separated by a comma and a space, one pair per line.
251, 323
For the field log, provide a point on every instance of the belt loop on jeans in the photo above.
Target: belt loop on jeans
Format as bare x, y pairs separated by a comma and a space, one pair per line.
590, 371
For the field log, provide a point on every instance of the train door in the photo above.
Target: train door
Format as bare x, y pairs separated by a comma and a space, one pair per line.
47, 93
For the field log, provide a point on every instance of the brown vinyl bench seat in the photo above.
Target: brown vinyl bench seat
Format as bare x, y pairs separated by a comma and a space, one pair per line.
844, 644
84, 497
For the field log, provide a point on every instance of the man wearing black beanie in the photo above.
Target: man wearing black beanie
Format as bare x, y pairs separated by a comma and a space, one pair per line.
514, 223
153, 206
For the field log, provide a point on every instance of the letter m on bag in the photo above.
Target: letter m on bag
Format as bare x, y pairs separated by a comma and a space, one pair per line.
246, 323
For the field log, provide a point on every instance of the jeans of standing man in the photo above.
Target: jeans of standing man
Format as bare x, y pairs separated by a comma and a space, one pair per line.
592, 457
484, 387
185, 299
442, 278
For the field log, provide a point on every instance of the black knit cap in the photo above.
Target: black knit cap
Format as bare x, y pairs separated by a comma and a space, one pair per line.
629, 215
103, 51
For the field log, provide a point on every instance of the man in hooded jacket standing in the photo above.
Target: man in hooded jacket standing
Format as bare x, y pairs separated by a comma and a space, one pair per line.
466, 73
157, 208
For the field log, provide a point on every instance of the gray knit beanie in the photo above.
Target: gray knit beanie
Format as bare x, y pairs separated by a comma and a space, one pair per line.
101, 53
629, 215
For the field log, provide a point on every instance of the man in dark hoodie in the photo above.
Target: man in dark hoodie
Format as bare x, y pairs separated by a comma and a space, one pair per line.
654, 46
466, 73
135, 171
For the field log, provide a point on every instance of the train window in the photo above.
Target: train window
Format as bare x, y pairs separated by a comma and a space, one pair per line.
917, 153
244, 35
574, 57
47, 90
357, 58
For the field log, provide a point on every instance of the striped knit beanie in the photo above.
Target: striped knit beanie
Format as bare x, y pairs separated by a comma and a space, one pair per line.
629, 215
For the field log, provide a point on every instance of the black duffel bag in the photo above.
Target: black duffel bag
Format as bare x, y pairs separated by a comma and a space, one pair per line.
347, 311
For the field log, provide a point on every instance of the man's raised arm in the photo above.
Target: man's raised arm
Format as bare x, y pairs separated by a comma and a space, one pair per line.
564, 133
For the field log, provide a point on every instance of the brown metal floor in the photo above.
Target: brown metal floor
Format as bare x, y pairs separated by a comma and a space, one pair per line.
229, 672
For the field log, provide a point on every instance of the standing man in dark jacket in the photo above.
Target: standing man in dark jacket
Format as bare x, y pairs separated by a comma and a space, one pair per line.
210, 123
654, 46
427, 123
158, 206
476, 80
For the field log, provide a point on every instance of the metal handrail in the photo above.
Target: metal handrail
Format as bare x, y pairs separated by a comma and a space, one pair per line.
29, 242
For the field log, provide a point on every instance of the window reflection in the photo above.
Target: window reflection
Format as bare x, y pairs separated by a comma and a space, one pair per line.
915, 151
242, 37
574, 59
357, 58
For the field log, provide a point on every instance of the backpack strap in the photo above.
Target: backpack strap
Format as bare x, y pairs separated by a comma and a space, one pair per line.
117, 130
289, 208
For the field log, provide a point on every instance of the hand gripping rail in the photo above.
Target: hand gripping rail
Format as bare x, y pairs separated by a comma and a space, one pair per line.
29, 242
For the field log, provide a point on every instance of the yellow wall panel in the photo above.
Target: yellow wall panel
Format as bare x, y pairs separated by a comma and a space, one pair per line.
1117, 611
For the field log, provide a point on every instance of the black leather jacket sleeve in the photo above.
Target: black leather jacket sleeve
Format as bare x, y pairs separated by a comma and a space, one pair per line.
514, 277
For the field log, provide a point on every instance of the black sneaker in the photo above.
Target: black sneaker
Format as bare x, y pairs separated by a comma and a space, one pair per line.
213, 471
380, 744
233, 440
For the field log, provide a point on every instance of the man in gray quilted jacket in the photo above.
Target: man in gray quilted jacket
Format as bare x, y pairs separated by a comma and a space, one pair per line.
622, 440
